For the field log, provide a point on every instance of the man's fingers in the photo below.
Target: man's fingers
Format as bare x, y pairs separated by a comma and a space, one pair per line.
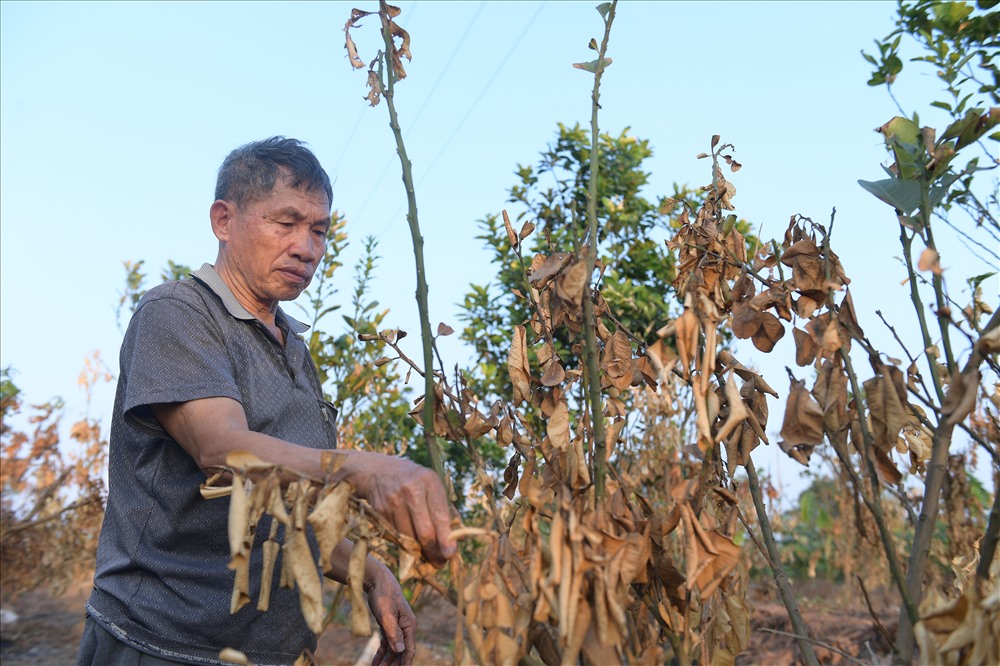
433, 526
392, 635
379, 657
409, 627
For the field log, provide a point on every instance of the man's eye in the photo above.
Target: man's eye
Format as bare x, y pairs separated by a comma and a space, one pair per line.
320, 233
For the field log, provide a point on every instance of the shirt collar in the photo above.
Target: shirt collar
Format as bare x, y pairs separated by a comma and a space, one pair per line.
208, 276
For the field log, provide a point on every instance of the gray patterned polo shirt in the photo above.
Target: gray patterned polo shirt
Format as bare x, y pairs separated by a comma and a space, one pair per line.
161, 583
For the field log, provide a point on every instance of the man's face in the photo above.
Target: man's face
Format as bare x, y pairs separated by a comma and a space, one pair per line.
275, 244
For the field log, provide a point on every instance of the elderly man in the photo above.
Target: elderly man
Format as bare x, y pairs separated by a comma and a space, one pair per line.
210, 365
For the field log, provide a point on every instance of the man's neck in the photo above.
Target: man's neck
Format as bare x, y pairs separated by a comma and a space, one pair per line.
264, 311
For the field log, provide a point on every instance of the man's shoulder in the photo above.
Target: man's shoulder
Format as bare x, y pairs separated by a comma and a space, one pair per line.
187, 295
187, 290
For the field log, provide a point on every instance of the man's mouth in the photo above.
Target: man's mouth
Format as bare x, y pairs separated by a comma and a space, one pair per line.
295, 274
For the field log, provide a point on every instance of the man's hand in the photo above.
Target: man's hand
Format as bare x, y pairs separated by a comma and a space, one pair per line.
394, 616
409, 495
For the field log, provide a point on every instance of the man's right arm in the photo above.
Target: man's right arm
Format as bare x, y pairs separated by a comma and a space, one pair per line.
410, 496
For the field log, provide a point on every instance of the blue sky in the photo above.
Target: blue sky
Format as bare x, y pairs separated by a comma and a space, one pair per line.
115, 116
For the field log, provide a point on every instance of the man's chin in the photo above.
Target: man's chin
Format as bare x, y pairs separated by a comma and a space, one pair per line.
290, 293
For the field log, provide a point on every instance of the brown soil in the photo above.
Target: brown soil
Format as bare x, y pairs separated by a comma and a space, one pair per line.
49, 629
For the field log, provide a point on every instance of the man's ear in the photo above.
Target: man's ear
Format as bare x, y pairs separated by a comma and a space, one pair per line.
222, 214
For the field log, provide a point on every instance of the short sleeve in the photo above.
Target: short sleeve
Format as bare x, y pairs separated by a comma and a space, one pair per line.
174, 352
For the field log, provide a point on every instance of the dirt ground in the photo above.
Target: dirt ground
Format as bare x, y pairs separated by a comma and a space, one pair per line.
48, 630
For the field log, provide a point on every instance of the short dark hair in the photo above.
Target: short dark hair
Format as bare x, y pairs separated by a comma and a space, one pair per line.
249, 173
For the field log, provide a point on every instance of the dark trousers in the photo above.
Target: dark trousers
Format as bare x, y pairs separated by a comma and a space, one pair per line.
100, 648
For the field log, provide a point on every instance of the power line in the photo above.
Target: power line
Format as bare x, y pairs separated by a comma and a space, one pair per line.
468, 113
430, 95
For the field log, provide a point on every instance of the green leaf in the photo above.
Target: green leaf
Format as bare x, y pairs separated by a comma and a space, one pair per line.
603, 9
901, 194
942, 105
978, 279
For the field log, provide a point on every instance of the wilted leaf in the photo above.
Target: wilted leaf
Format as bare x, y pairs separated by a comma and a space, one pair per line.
517, 365
375, 88
558, 426
239, 517
510, 476
270, 550
360, 621
329, 521
687, 327
888, 412
303, 569
830, 391
802, 428
352, 49
746, 321
511, 236
710, 556
617, 361
805, 347
444, 329
545, 268
737, 410
769, 333
929, 261
554, 373
526, 230
961, 396
573, 282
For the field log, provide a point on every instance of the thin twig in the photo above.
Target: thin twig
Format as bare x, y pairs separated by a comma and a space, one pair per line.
35, 523
825, 646
988, 548
871, 611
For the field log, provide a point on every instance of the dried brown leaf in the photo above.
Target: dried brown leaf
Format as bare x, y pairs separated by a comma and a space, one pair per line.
329, 521
517, 365
270, 550
805, 347
769, 333
573, 282
961, 396
303, 569
888, 413
687, 327
511, 236
929, 261
360, 621
802, 428
543, 268
746, 321
239, 517
557, 427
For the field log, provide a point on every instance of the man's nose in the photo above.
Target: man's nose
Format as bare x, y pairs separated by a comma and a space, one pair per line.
307, 247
